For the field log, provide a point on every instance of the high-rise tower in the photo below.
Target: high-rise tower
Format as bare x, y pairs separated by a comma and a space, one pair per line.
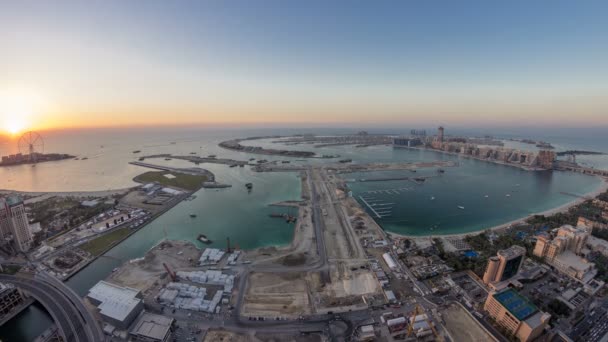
14, 224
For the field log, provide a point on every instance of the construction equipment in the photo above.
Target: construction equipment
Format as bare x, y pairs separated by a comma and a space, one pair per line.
170, 272
419, 315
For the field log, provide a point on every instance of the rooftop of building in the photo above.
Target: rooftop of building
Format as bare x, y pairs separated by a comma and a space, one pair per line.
595, 242
519, 306
512, 252
537, 319
152, 326
116, 302
572, 260
11, 200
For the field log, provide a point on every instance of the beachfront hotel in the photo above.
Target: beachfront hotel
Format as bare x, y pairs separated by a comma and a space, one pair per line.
504, 265
563, 253
518, 316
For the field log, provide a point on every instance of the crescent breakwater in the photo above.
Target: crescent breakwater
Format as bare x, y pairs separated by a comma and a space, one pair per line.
235, 145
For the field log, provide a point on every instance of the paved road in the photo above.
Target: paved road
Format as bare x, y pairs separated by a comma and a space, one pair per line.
69, 318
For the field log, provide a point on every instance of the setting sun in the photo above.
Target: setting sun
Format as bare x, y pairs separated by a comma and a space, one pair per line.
17, 109
14, 125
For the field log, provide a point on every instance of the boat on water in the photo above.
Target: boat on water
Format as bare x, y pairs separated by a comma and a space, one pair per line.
249, 186
136, 151
432, 198
193, 215
508, 195
167, 158
441, 171
486, 196
203, 238
460, 207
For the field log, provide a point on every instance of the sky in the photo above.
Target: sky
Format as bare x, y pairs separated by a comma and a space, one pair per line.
128, 63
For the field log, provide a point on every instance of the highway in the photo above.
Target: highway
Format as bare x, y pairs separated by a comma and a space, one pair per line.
74, 324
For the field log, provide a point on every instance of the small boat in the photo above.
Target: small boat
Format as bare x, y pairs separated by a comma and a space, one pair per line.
193, 215
167, 158
136, 151
211, 156
432, 198
115, 269
441, 171
508, 195
233, 165
460, 207
203, 238
249, 185
486, 196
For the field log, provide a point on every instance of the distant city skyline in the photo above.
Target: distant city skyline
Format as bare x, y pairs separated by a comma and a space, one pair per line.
117, 63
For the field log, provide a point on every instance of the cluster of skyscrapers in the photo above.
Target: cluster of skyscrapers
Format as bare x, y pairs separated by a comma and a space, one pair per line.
14, 226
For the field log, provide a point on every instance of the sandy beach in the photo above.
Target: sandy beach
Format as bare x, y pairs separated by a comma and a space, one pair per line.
563, 208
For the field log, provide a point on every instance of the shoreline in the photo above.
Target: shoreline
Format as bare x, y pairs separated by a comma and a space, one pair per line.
562, 208
468, 156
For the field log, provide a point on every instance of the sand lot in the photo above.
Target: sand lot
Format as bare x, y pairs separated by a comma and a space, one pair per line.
463, 327
272, 295
144, 273
226, 336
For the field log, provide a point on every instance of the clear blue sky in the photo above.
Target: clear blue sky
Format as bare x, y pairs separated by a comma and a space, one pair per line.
309, 61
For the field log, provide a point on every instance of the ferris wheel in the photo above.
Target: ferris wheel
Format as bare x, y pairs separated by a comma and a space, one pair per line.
31, 143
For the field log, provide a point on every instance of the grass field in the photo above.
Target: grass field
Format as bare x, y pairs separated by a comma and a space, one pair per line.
182, 181
98, 245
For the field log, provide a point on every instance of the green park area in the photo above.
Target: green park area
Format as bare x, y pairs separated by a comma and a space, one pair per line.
172, 179
100, 244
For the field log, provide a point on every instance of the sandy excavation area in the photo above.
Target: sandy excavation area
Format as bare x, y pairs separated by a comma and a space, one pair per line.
143, 274
227, 336
276, 294
463, 327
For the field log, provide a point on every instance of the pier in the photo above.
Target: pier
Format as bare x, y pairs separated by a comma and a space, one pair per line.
379, 208
387, 179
